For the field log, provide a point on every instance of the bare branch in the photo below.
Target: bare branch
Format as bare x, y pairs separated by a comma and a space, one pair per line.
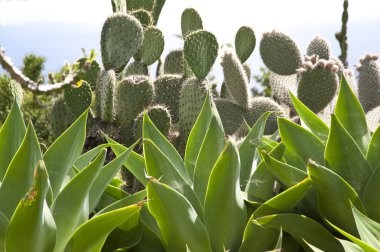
27, 83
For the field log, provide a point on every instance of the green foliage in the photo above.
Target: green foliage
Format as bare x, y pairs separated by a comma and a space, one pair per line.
191, 21
245, 42
33, 66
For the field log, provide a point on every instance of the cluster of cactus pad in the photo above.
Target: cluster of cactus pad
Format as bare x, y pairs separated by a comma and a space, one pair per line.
124, 89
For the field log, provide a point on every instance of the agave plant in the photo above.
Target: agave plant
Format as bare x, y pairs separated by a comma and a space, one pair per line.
47, 198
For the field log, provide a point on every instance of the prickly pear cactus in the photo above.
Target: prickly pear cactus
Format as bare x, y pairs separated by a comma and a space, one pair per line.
16, 92
153, 45
60, 117
369, 82
78, 99
133, 95
90, 71
260, 105
373, 118
281, 85
280, 53
193, 94
235, 79
159, 115
121, 37
319, 46
143, 16
147, 5
104, 96
231, 115
318, 83
190, 21
136, 68
167, 92
245, 42
200, 51
173, 63
159, 4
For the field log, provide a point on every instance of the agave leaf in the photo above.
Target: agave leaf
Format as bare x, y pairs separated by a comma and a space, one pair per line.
149, 221
281, 203
91, 235
351, 115
152, 133
127, 201
373, 156
261, 183
19, 177
86, 158
344, 157
350, 246
180, 226
225, 227
335, 195
135, 163
301, 141
312, 121
12, 133
211, 148
32, 227
71, 206
247, 150
279, 242
3, 229
110, 195
105, 176
304, 228
63, 153
149, 242
159, 166
369, 230
370, 199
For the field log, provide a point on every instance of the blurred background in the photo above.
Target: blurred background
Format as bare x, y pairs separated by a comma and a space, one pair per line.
58, 29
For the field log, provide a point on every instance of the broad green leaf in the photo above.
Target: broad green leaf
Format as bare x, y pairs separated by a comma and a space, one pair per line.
351, 115
335, 195
279, 242
180, 226
91, 236
3, 229
12, 133
312, 121
373, 156
159, 167
344, 157
86, 158
371, 196
212, 147
302, 227
225, 212
301, 141
135, 163
105, 176
127, 201
247, 150
366, 247
284, 173
152, 133
149, 221
284, 202
369, 230
350, 246
197, 135
71, 206
19, 177
63, 153
32, 227
110, 196
149, 242
261, 183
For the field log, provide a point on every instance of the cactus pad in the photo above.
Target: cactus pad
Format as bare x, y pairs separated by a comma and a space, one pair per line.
104, 96
167, 92
90, 71
319, 46
157, 10
143, 16
136, 68
190, 21
192, 97
280, 53
260, 105
281, 85
318, 83
235, 79
245, 42
369, 82
159, 115
147, 5
152, 46
16, 92
78, 99
200, 51
373, 119
133, 95
231, 115
173, 63
60, 117
122, 35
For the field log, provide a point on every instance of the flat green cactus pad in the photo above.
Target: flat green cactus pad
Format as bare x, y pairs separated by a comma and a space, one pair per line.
104, 96
89, 71
147, 5
200, 50
280, 53
190, 21
60, 117
136, 68
319, 46
159, 115
16, 92
173, 63
144, 17
245, 42
153, 45
78, 99
121, 37
231, 115
157, 10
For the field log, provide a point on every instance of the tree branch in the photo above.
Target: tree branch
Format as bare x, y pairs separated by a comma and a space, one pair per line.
30, 85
